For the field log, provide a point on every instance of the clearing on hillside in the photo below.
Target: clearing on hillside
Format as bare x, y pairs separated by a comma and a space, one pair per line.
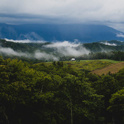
90, 65
113, 68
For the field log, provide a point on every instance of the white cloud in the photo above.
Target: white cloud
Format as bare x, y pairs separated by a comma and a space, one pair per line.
120, 35
45, 56
59, 49
109, 44
38, 55
18, 41
10, 51
68, 49
74, 10
23, 41
63, 44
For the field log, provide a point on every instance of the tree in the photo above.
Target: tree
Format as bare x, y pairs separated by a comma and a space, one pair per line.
116, 107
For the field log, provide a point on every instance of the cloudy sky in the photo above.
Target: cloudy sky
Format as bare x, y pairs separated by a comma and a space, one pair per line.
110, 12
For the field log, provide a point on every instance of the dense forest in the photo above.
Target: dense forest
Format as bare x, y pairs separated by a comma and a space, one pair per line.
44, 93
113, 55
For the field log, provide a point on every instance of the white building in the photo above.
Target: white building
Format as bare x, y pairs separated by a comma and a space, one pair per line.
73, 59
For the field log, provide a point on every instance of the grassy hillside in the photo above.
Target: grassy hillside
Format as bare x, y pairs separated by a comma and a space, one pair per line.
88, 65
99, 67
113, 68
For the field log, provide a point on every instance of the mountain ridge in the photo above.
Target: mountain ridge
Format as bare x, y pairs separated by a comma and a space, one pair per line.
59, 32
55, 51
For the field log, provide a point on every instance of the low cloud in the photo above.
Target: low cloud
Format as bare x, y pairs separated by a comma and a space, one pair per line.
62, 44
10, 51
68, 49
120, 35
53, 51
45, 56
109, 44
37, 54
24, 41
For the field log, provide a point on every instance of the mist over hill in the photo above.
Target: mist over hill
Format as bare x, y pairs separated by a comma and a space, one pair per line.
55, 51
60, 32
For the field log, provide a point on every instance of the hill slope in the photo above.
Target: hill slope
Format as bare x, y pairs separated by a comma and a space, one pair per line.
62, 50
114, 68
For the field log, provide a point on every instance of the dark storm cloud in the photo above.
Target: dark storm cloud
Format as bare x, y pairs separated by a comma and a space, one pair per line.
62, 11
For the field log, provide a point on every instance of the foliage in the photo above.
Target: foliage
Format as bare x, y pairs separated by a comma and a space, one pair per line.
117, 106
56, 94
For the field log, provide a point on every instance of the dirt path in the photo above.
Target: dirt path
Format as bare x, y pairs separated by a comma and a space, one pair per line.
114, 68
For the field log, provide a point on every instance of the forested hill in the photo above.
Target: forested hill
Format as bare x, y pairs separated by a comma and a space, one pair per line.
60, 32
105, 46
23, 47
100, 46
54, 93
47, 51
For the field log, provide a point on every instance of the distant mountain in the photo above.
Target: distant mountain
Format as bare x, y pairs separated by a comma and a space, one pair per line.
60, 32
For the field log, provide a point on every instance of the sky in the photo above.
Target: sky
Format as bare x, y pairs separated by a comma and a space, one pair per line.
108, 12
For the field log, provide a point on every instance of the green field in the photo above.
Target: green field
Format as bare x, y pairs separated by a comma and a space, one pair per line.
100, 66
90, 65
